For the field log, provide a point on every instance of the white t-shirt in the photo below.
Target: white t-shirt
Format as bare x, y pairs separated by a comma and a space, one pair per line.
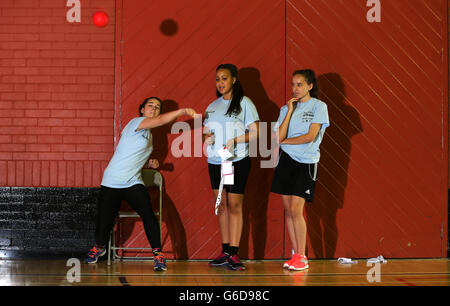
227, 127
132, 152
312, 111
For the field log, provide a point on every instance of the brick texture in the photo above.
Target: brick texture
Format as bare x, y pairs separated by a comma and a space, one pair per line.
46, 221
56, 94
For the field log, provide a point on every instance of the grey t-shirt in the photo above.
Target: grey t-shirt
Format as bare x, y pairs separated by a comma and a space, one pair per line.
132, 152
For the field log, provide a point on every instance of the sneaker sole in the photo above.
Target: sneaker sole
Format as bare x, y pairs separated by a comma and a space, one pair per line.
159, 269
241, 268
237, 269
218, 265
292, 268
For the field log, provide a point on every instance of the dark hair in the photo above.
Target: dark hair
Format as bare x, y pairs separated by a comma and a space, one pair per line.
145, 102
238, 91
310, 78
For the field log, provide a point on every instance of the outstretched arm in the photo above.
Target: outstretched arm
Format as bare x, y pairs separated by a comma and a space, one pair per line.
162, 119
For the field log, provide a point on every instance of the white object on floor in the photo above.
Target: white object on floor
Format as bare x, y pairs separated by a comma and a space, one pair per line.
379, 259
343, 260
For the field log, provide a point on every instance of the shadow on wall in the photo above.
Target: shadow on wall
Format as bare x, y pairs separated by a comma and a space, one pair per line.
170, 216
332, 178
333, 167
260, 179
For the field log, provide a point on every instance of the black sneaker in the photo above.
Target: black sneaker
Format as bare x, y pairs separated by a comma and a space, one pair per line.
234, 263
160, 263
219, 261
94, 254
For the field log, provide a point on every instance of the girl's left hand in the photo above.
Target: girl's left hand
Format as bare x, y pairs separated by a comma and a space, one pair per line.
153, 163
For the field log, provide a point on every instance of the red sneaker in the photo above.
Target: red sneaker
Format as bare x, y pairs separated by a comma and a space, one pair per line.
289, 263
300, 263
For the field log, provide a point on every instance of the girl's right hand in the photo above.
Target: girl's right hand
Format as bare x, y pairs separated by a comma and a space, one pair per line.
290, 104
190, 112
208, 136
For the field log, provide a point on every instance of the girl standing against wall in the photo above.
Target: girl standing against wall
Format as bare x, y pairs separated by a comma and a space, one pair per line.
231, 121
301, 126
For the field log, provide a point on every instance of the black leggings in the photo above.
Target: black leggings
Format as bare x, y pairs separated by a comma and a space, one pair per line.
108, 208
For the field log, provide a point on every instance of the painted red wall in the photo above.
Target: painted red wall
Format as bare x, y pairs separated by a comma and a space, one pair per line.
382, 185
382, 188
56, 94
180, 69
66, 90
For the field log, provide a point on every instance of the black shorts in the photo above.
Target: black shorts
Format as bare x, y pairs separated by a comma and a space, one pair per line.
294, 178
241, 172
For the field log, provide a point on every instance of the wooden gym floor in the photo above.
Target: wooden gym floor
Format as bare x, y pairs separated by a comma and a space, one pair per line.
396, 272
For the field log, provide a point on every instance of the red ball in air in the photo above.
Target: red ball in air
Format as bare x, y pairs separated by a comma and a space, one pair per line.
100, 19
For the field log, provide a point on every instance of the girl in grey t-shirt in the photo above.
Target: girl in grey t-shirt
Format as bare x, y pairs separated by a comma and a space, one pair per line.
231, 121
122, 179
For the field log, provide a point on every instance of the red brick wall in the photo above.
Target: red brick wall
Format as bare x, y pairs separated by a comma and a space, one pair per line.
56, 94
